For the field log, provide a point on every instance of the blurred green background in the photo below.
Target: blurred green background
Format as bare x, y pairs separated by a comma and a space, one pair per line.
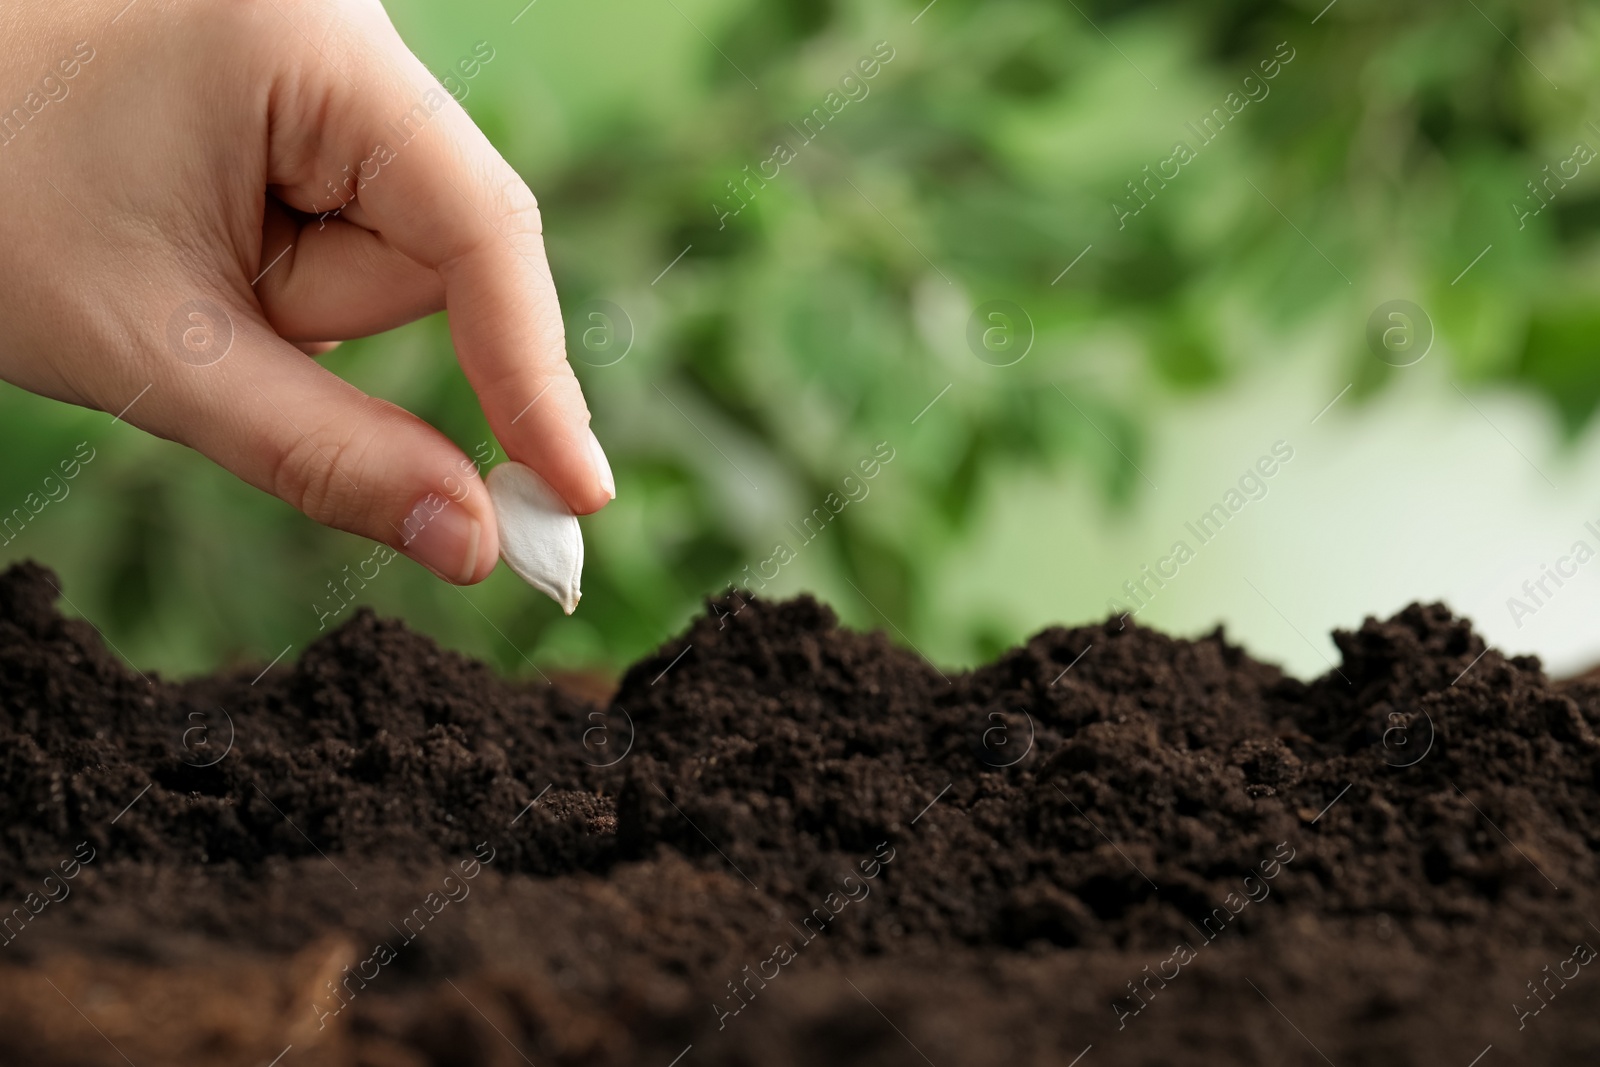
791, 339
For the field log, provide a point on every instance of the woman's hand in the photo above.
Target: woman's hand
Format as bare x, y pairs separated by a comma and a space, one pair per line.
199, 193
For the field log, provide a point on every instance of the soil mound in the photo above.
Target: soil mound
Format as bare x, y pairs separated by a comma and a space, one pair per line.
782, 842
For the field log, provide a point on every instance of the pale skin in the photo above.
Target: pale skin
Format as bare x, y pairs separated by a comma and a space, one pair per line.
164, 178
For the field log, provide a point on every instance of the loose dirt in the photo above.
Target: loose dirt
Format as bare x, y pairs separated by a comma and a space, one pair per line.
785, 843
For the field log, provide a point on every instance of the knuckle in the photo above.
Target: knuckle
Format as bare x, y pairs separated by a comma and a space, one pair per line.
317, 474
555, 385
514, 204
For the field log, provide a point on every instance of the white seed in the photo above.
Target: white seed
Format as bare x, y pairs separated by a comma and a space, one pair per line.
539, 535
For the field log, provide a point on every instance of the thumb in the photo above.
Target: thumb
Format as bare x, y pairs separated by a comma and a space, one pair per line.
259, 407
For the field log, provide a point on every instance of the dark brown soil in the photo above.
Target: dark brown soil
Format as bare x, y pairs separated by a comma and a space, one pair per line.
783, 843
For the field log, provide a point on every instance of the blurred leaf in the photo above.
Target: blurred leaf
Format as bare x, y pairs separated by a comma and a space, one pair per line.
1560, 359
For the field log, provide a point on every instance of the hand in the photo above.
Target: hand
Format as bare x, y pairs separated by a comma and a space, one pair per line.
201, 192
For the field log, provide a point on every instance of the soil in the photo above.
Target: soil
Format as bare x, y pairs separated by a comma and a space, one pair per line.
785, 843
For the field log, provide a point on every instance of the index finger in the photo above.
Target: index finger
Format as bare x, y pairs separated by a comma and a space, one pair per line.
429, 181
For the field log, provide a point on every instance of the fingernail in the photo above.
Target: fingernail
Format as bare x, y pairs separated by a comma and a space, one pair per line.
444, 537
602, 466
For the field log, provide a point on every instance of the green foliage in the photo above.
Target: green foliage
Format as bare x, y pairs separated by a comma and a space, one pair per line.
821, 319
